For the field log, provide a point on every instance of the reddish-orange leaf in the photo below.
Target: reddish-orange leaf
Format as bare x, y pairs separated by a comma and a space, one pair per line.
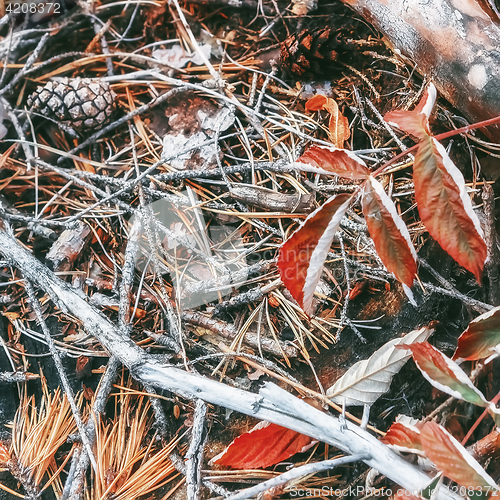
83, 367
337, 161
403, 437
445, 207
357, 289
482, 337
389, 233
452, 458
444, 374
415, 122
265, 445
316, 103
338, 125
302, 256
338, 128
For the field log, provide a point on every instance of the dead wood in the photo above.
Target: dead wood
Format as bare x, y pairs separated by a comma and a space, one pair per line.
15, 377
271, 200
229, 332
216, 143
485, 447
272, 403
493, 260
456, 44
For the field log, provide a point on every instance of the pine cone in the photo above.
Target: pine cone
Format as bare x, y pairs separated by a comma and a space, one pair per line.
80, 103
309, 52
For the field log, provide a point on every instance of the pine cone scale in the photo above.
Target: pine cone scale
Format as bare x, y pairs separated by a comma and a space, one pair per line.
309, 52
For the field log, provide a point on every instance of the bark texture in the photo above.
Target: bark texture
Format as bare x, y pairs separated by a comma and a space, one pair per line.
454, 42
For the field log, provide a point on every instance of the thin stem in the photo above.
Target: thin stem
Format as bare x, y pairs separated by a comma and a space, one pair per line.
445, 135
479, 420
295, 473
467, 128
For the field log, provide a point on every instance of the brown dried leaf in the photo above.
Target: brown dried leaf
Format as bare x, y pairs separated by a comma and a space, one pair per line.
338, 125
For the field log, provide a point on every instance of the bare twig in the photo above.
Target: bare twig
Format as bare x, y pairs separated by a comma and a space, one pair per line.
128, 270
252, 360
376, 112
195, 44
195, 452
165, 340
228, 331
272, 200
29, 63
161, 422
490, 236
124, 312
19, 130
179, 464
253, 295
100, 34
148, 220
73, 489
15, 377
231, 278
60, 369
477, 305
344, 318
295, 473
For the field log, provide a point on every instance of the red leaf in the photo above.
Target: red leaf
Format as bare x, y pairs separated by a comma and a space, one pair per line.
265, 445
338, 125
415, 122
337, 161
452, 458
302, 256
481, 337
316, 103
389, 233
444, 374
403, 437
445, 207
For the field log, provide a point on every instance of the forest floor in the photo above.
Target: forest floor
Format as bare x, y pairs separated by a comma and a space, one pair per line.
207, 105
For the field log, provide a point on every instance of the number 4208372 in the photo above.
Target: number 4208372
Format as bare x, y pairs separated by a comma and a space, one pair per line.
33, 8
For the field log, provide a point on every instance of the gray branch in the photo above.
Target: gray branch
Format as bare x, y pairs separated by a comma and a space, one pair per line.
295, 473
271, 403
195, 453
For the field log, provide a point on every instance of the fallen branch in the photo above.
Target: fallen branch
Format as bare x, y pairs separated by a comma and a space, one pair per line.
491, 242
16, 377
295, 474
73, 489
228, 331
35, 304
272, 403
195, 453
